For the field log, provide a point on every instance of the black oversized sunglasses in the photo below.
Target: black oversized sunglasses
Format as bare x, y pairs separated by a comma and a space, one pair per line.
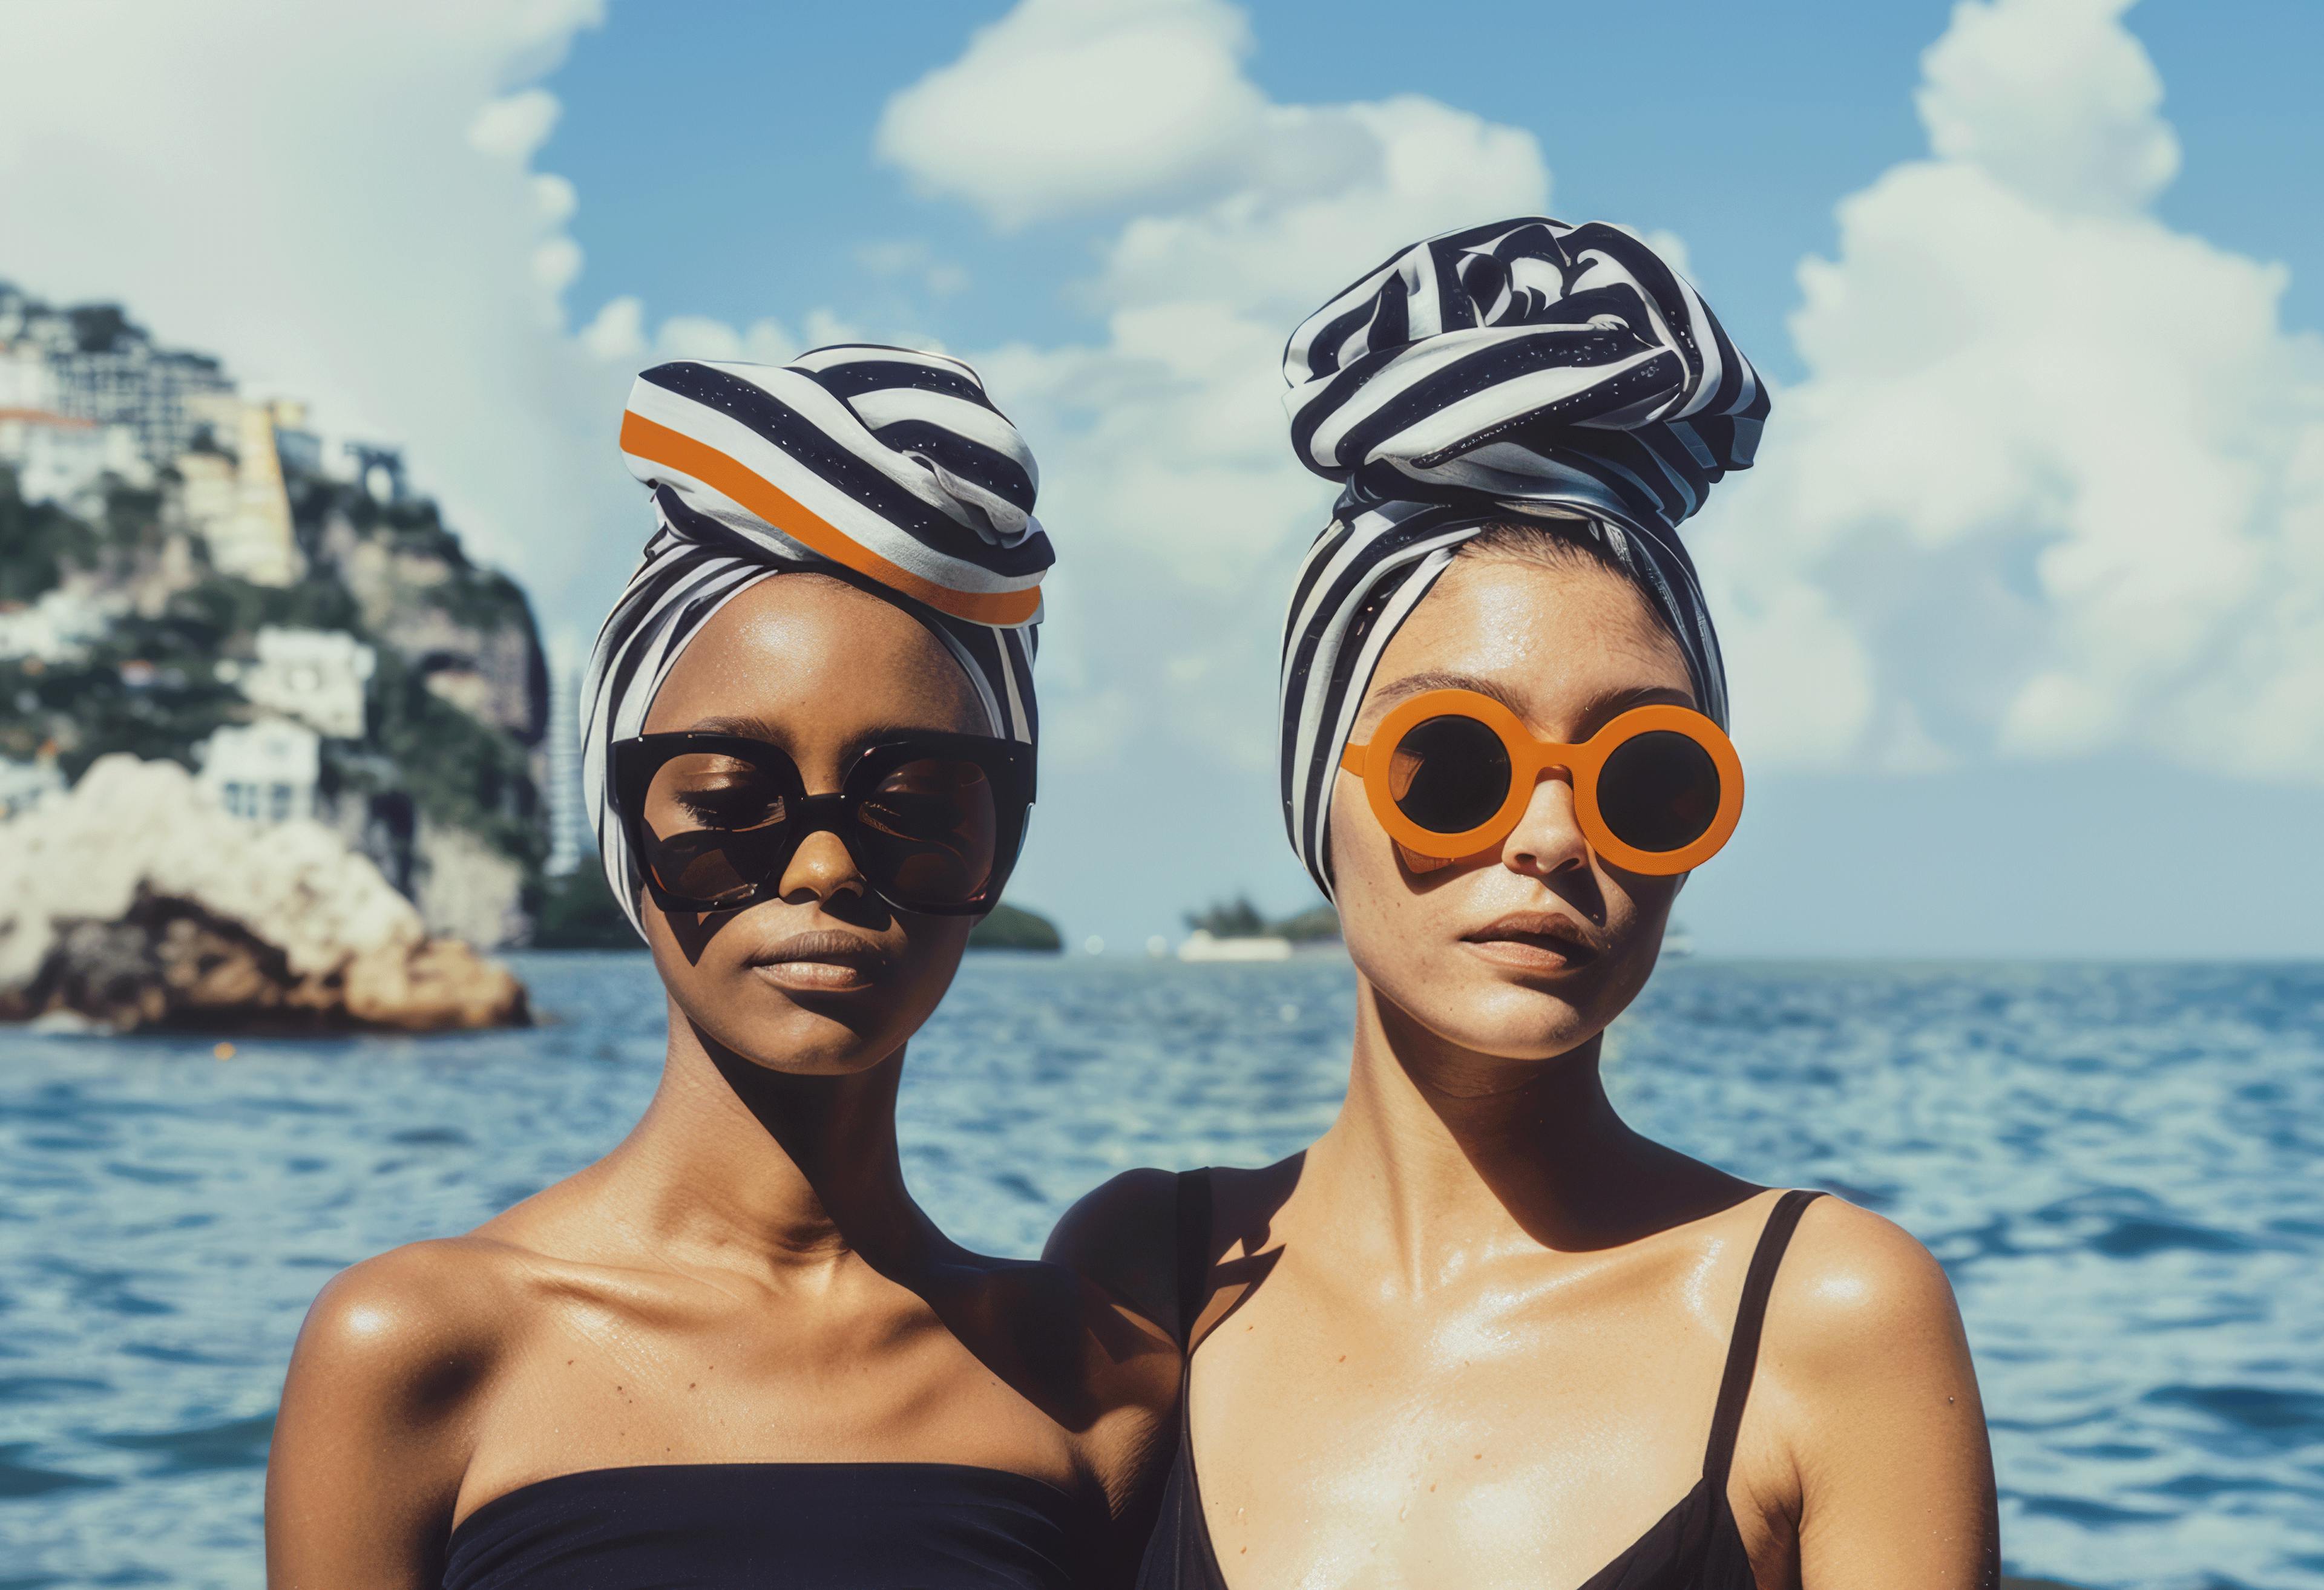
933, 821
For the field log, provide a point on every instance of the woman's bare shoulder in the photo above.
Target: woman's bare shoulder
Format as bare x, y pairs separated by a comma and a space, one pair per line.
419, 1324
1864, 1342
379, 1414
1856, 1285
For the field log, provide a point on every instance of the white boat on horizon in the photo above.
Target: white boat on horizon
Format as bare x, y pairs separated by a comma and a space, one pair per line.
1201, 944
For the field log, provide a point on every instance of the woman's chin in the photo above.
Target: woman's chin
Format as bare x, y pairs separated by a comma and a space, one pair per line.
796, 1039
1500, 1022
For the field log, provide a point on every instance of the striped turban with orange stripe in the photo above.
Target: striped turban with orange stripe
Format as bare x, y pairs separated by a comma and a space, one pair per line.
885, 467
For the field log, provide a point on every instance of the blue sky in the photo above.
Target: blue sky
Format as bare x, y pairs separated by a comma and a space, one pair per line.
2024, 605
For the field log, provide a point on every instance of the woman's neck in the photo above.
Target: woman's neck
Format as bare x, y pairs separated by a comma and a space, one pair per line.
1442, 1156
751, 1166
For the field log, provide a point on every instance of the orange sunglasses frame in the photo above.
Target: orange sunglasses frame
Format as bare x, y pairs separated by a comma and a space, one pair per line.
1529, 759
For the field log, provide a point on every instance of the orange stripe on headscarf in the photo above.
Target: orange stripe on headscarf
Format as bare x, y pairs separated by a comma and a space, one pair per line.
657, 443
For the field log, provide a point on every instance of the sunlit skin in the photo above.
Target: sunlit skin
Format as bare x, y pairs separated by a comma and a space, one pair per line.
1473, 1335
745, 1278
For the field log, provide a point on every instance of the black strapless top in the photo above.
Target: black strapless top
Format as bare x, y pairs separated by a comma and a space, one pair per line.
1695, 1546
799, 1526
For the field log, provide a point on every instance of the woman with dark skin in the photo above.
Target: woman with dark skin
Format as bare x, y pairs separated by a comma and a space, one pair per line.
1483, 1332
735, 1351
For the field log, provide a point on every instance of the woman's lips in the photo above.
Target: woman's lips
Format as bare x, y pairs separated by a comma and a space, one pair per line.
1534, 942
821, 962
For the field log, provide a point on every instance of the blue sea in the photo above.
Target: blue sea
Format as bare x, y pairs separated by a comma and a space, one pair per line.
2122, 1166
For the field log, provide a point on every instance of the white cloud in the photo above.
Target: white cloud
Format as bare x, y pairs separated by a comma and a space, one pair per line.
1064, 104
697, 337
554, 200
555, 263
2055, 98
618, 334
2055, 480
1330, 191
513, 129
617, 337
339, 201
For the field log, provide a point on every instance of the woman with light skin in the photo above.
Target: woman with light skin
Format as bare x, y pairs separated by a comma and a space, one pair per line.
1483, 1332
735, 1352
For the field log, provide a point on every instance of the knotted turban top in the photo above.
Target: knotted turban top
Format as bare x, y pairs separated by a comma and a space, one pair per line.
888, 468
1526, 369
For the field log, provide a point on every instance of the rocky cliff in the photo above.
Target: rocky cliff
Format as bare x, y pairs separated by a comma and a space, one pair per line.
136, 902
445, 792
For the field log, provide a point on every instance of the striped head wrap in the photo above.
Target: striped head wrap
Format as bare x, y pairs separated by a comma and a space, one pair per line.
1522, 370
884, 467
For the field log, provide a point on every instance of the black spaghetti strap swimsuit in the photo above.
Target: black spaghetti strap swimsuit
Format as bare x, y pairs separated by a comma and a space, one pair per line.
1695, 1546
799, 1526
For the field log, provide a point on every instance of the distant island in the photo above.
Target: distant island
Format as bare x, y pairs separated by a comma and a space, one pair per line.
1236, 930
1239, 919
1013, 927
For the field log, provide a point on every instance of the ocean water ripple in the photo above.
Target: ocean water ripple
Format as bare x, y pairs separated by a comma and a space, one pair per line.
2122, 1168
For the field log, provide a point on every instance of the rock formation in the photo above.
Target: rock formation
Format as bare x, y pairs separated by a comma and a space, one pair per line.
137, 901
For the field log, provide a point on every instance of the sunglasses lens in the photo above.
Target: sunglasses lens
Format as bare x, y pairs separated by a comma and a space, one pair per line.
929, 832
1448, 774
1659, 791
713, 826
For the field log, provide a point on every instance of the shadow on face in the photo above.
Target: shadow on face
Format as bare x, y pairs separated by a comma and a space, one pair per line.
1530, 951
825, 978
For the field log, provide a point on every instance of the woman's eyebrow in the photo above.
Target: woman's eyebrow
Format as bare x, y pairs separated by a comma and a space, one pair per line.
1601, 711
857, 744
1605, 708
1411, 685
744, 728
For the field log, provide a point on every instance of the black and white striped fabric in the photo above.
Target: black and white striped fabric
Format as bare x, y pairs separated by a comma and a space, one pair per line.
882, 466
1522, 370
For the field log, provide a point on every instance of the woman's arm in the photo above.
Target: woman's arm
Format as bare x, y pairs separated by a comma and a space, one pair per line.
374, 1434
1877, 1404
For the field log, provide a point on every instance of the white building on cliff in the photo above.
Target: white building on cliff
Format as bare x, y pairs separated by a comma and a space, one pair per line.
58, 628
25, 381
269, 771
58, 458
156, 392
316, 676
308, 686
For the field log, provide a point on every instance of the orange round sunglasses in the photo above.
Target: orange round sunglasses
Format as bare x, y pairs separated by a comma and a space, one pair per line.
1450, 772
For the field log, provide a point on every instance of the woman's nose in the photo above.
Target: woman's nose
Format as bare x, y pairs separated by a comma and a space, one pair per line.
819, 869
1548, 838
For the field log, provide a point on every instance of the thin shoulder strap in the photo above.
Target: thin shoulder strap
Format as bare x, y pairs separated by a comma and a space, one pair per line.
1743, 1346
1194, 1250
